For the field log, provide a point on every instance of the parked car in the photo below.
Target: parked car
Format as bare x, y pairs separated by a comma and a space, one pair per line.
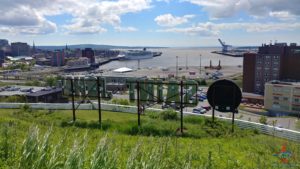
199, 110
207, 108
165, 106
202, 98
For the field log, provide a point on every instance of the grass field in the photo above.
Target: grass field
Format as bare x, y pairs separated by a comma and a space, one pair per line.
47, 139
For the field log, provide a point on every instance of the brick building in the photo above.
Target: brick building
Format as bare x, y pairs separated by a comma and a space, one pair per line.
89, 53
272, 62
58, 58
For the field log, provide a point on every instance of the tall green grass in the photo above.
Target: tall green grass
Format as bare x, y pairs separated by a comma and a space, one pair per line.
27, 142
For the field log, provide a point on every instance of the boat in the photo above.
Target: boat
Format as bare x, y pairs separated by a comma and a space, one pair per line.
135, 55
155, 54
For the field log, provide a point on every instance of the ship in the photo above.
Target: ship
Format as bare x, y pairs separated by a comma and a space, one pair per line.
135, 55
80, 64
155, 54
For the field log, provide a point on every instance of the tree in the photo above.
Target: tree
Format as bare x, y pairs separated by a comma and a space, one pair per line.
298, 124
51, 81
202, 82
263, 120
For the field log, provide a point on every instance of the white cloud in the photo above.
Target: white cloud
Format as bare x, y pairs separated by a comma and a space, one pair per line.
125, 29
89, 16
283, 15
106, 12
166, 1
195, 30
214, 29
169, 20
256, 8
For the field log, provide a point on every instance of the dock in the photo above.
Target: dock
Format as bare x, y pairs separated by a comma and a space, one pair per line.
233, 54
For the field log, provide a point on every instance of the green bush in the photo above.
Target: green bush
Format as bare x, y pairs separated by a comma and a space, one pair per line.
263, 120
120, 101
194, 120
152, 114
298, 125
13, 99
202, 82
169, 114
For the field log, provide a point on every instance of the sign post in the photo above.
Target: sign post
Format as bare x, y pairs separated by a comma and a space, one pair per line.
178, 93
73, 100
99, 100
85, 87
138, 103
224, 96
181, 107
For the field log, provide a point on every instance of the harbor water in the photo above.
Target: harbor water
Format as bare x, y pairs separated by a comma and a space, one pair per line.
186, 57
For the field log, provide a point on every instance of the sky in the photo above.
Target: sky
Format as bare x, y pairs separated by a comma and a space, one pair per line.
169, 23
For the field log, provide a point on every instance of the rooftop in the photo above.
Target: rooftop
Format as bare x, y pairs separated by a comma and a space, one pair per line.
45, 91
286, 83
18, 90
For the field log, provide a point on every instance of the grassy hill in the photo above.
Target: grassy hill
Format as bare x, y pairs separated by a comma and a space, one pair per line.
46, 139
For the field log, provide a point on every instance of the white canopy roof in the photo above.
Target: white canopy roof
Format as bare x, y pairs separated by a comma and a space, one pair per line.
122, 70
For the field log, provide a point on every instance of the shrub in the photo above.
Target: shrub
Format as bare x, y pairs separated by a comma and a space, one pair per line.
203, 82
169, 115
194, 120
263, 120
298, 125
120, 101
152, 115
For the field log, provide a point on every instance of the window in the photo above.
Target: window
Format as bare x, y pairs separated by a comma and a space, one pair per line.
276, 98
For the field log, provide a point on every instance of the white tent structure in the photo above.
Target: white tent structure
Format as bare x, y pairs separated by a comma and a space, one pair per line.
122, 70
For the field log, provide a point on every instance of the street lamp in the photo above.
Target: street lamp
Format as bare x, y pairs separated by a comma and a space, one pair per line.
200, 66
176, 67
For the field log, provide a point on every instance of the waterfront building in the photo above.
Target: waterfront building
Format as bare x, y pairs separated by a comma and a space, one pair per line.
78, 52
20, 49
282, 96
3, 43
89, 53
58, 58
2, 56
272, 62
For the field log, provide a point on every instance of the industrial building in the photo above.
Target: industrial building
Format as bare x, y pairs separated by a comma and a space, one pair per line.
3, 43
47, 95
282, 97
34, 94
272, 62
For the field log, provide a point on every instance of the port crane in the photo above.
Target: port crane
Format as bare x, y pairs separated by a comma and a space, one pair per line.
225, 47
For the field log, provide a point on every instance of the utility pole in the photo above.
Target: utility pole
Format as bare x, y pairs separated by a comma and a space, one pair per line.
176, 67
200, 66
186, 63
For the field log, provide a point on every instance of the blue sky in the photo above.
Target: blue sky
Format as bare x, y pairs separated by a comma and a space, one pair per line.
170, 23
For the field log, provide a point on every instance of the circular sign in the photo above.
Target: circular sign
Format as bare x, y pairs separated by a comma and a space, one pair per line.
224, 96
